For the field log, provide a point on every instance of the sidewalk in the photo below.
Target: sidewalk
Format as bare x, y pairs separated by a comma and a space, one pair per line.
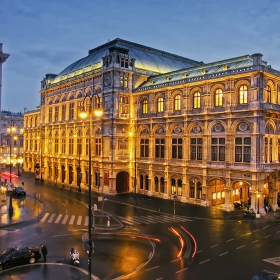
24, 209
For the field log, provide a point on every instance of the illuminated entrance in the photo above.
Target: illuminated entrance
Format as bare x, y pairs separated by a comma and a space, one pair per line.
217, 189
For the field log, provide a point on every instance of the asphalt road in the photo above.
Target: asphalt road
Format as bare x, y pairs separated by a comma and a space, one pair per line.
227, 247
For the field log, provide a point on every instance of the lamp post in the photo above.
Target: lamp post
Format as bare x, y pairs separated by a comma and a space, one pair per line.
132, 134
11, 130
79, 163
258, 195
84, 114
41, 159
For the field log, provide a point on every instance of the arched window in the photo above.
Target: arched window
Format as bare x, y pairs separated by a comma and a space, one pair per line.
192, 188
156, 184
173, 186
162, 189
177, 102
180, 185
196, 100
268, 97
243, 95
199, 190
160, 105
145, 106
218, 97
146, 182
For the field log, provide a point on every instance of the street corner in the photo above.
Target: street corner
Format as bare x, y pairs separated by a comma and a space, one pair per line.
16, 210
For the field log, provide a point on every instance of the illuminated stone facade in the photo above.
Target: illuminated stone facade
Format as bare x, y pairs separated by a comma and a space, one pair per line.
209, 133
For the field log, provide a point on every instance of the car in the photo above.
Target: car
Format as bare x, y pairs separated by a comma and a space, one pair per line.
20, 254
266, 275
19, 191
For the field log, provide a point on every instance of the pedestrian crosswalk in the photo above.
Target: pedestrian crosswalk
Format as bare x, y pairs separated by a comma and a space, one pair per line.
152, 219
77, 220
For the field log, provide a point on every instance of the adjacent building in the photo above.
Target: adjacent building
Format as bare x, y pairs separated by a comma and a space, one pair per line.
11, 149
172, 127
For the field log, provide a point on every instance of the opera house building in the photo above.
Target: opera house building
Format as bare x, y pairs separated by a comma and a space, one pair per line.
168, 127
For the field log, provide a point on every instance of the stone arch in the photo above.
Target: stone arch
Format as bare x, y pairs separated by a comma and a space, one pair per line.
175, 128
122, 182
237, 86
241, 125
217, 126
270, 127
240, 191
159, 129
216, 191
195, 128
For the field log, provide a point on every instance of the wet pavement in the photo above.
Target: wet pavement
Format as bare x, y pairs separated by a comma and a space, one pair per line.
46, 271
29, 208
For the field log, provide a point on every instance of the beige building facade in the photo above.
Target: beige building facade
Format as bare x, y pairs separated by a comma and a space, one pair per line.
208, 134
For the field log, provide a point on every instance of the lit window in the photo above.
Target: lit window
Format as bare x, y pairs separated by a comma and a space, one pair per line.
160, 105
243, 95
218, 97
196, 100
177, 102
145, 106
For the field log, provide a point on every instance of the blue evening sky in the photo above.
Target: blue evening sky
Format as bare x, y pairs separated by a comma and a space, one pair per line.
45, 36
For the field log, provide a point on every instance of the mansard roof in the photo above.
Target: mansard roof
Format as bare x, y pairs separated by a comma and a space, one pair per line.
199, 73
147, 60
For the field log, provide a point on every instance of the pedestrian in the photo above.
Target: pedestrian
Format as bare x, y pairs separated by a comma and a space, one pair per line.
44, 251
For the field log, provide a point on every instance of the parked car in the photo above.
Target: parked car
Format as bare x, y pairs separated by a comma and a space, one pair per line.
19, 191
20, 254
266, 275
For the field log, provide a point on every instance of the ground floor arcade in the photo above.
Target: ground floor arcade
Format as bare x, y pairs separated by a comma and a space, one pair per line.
201, 186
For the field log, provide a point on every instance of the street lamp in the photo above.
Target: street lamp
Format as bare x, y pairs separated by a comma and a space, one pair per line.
132, 134
84, 114
79, 163
11, 130
258, 195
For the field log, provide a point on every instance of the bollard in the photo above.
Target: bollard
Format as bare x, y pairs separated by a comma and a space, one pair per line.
108, 221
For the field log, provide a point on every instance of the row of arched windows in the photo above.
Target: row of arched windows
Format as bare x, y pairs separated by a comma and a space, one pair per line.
177, 100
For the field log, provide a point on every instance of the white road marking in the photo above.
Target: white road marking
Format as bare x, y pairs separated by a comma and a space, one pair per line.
204, 261
79, 221
240, 247
45, 217
152, 268
72, 220
181, 270
86, 221
65, 219
255, 241
223, 253
58, 218
51, 218
214, 245
230, 240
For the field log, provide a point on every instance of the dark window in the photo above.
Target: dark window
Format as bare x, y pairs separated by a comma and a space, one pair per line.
160, 146
177, 148
242, 149
218, 149
144, 144
196, 148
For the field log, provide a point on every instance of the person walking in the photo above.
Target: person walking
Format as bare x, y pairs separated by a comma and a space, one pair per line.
44, 251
